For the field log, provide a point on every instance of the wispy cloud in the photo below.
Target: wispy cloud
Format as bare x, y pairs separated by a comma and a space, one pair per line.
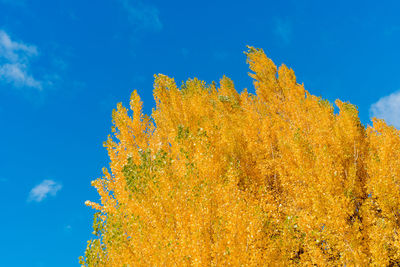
67, 228
142, 16
283, 29
15, 60
221, 55
387, 108
42, 190
185, 52
19, 3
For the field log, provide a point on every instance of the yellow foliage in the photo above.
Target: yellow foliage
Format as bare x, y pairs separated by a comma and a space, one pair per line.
217, 178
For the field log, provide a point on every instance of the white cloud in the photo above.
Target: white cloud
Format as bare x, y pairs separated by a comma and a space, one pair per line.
387, 108
42, 190
142, 16
14, 62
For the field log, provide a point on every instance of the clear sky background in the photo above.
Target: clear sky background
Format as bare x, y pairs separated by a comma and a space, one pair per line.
64, 65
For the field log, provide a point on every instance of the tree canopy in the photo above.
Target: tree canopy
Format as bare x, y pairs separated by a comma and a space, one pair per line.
215, 177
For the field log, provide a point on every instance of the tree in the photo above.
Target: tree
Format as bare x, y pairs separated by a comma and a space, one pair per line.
217, 178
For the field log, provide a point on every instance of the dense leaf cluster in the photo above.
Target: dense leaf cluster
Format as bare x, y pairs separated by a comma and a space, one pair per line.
215, 177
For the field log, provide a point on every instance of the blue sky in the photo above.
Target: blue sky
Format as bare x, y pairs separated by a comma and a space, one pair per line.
65, 64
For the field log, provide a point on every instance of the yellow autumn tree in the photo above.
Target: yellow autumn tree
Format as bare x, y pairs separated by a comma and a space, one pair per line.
215, 178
